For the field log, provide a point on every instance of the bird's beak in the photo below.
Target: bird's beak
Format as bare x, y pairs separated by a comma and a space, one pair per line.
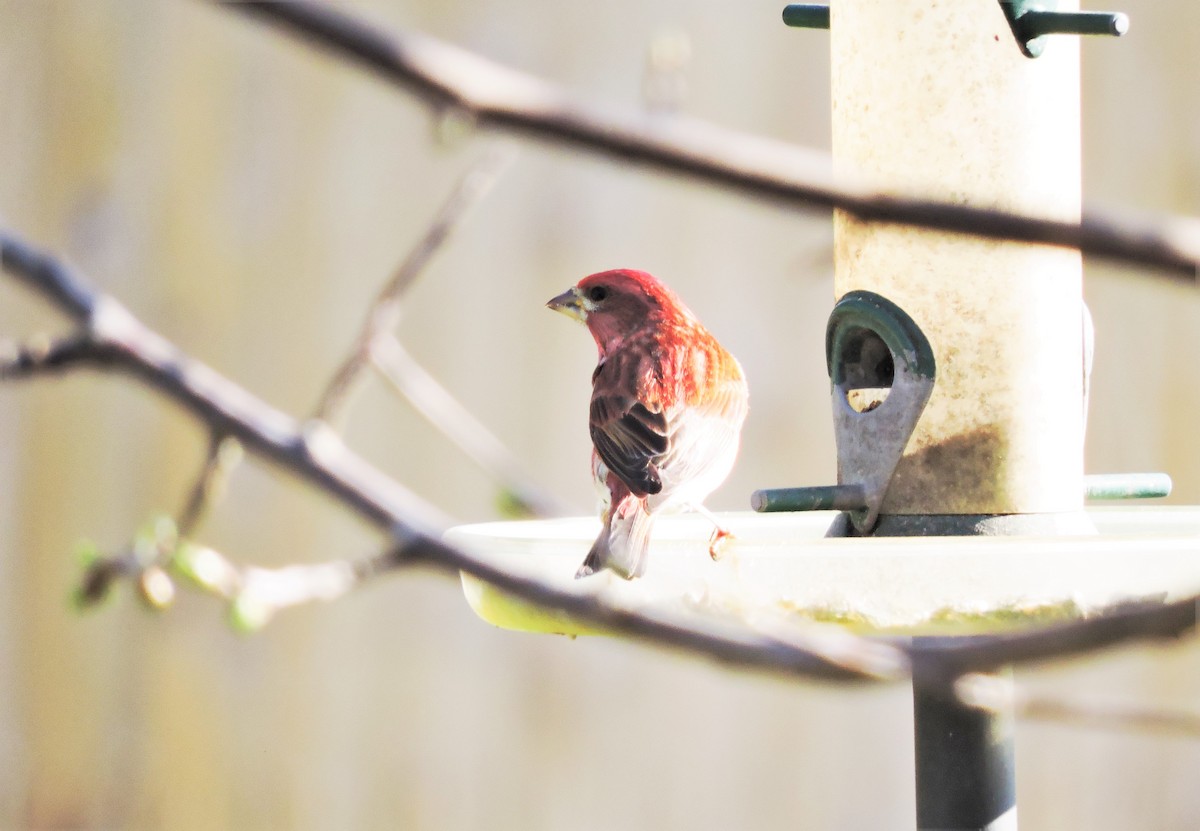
570, 303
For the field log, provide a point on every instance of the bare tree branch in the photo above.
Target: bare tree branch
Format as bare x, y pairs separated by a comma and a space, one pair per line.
111, 336
376, 345
384, 314
313, 451
493, 95
41, 355
410, 381
954, 657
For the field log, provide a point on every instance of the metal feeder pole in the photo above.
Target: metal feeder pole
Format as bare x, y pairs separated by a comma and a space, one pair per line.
965, 772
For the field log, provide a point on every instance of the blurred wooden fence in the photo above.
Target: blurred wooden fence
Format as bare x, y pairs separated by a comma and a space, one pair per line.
247, 196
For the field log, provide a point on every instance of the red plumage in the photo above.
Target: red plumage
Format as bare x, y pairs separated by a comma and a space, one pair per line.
668, 403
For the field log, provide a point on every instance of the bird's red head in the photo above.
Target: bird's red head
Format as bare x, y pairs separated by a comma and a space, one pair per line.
616, 304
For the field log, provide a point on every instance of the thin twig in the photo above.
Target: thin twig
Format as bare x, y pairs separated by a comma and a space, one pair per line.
435, 403
384, 314
256, 594
376, 344
1106, 715
986, 692
492, 95
224, 455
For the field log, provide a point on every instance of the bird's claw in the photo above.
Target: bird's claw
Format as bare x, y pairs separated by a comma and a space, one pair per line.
716, 542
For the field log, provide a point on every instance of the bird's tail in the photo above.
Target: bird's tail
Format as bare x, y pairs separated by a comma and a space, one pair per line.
624, 541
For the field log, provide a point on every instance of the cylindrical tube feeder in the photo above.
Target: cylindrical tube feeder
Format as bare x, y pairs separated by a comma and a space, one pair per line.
940, 101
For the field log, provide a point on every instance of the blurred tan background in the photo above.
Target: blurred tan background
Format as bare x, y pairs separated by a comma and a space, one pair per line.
246, 195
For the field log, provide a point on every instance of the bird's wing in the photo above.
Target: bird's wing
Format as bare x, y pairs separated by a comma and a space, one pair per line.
628, 435
656, 447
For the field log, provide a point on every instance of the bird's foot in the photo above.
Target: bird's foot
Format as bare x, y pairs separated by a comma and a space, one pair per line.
717, 542
719, 534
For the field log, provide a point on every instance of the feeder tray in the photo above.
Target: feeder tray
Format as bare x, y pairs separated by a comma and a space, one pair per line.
783, 566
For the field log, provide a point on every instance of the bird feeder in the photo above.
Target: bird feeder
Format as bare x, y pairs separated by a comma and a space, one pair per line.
959, 370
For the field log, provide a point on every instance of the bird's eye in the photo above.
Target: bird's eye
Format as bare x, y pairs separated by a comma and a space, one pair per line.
597, 293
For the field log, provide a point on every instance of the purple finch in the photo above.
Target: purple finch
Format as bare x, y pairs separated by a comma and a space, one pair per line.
667, 408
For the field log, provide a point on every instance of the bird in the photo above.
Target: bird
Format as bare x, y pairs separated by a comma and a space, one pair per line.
667, 408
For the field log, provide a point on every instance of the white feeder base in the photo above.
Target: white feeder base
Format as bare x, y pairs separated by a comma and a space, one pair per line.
782, 566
